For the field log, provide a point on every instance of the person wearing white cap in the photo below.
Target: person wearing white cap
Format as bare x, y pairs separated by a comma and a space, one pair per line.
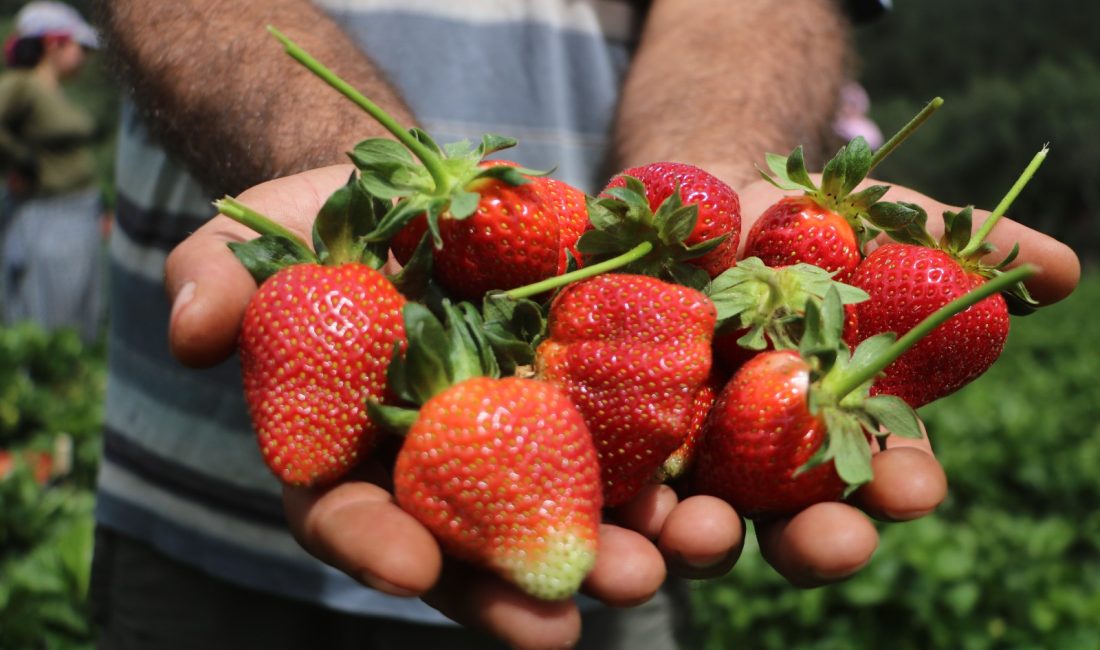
52, 255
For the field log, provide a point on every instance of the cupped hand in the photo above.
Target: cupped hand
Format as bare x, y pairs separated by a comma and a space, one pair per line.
357, 527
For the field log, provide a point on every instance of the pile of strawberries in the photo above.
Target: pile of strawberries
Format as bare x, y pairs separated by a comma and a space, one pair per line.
546, 354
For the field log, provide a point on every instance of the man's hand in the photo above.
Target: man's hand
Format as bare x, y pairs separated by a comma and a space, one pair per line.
357, 527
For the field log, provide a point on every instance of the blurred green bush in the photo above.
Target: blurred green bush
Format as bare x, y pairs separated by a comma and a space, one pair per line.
51, 402
1011, 559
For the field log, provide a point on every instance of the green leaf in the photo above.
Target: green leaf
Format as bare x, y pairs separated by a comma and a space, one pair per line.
599, 242
425, 138
675, 226
268, 254
894, 415
464, 204
862, 200
392, 419
796, 169
491, 143
851, 455
426, 367
413, 278
958, 227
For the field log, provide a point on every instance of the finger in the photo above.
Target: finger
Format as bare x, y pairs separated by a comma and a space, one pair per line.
646, 512
1059, 266
357, 528
908, 482
209, 289
824, 543
481, 601
702, 538
629, 569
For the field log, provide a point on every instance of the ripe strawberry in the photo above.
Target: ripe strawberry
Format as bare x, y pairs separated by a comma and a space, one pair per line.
911, 279
633, 353
827, 225
314, 345
791, 428
718, 207
317, 338
679, 462
504, 473
519, 234
760, 437
824, 226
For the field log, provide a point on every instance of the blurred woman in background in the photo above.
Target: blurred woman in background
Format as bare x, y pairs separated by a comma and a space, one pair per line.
52, 250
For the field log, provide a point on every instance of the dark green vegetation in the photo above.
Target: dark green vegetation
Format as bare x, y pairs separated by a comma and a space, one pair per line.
1014, 74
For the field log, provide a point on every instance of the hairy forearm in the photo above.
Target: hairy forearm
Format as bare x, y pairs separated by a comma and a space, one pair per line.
720, 82
219, 92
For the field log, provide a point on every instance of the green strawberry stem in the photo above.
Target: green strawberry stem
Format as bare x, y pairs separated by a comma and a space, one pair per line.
850, 382
262, 224
431, 161
905, 132
583, 273
1002, 207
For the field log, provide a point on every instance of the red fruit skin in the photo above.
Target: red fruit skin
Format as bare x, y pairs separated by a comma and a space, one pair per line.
907, 283
797, 229
504, 473
633, 353
679, 462
570, 205
759, 433
719, 206
315, 344
518, 235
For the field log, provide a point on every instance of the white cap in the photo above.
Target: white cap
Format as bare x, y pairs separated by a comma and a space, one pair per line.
44, 17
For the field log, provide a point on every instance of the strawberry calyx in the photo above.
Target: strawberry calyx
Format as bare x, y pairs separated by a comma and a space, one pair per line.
415, 172
841, 379
770, 302
339, 234
842, 174
623, 217
438, 355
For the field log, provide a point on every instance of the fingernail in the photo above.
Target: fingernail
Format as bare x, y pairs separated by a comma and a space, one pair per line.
186, 293
387, 587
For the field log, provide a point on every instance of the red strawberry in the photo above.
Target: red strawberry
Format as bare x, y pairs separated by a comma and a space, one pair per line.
679, 462
719, 208
317, 337
314, 346
791, 428
504, 473
799, 229
909, 280
519, 234
760, 436
829, 224
825, 225
633, 353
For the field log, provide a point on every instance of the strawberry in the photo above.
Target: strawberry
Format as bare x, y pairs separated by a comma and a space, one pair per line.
633, 353
679, 462
910, 279
827, 225
524, 233
718, 207
504, 474
316, 338
503, 471
791, 428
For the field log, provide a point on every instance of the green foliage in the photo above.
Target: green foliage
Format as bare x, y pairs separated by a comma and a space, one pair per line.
1014, 75
1012, 559
51, 390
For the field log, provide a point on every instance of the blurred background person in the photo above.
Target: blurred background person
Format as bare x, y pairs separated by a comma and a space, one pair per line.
52, 251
